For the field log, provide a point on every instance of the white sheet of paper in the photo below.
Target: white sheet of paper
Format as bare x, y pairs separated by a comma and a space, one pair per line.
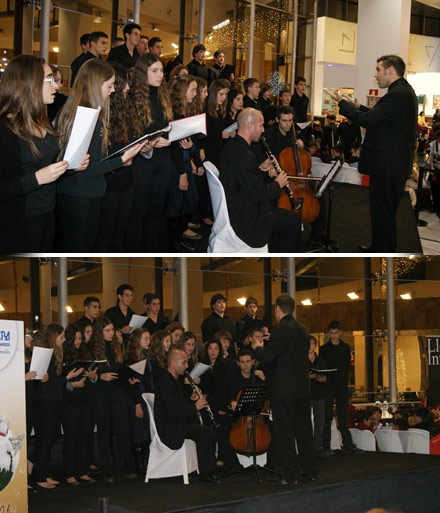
198, 370
231, 128
137, 321
303, 125
139, 367
186, 127
82, 131
40, 360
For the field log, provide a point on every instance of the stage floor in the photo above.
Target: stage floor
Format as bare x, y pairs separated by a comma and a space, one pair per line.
344, 479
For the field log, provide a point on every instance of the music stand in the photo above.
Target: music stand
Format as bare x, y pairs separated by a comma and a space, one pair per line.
251, 403
327, 183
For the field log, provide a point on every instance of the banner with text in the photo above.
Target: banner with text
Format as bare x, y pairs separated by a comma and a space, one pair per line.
13, 466
433, 357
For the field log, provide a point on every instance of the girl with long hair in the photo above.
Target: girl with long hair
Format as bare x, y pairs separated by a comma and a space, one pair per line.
111, 406
28, 157
158, 355
137, 350
234, 106
176, 72
77, 409
188, 344
118, 199
48, 403
150, 97
80, 194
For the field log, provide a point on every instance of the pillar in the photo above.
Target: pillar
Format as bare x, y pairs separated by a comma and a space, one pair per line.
391, 328
45, 292
63, 317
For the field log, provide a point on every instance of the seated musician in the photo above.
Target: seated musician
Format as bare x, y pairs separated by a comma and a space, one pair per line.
248, 196
176, 416
248, 376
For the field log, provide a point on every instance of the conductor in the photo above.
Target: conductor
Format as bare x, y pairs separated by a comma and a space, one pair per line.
288, 383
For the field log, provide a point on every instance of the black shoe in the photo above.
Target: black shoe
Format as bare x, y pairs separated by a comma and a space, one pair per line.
179, 246
209, 478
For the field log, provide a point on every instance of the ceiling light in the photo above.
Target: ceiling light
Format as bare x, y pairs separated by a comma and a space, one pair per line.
222, 24
175, 46
241, 300
406, 296
55, 49
353, 295
306, 302
2, 308
69, 309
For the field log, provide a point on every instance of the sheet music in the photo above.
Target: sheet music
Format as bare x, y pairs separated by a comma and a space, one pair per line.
82, 131
186, 127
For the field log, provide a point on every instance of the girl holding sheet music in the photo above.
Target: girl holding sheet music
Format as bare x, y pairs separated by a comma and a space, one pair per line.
79, 195
110, 403
77, 409
48, 402
150, 97
183, 196
234, 106
28, 154
137, 350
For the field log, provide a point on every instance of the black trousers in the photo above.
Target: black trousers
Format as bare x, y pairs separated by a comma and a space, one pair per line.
286, 231
77, 418
41, 232
384, 197
204, 438
152, 178
292, 420
340, 395
115, 213
111, 418
47, 427
79, 222
318, 406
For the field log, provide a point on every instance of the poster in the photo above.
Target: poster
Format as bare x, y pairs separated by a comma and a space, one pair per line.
330, 106
13, 466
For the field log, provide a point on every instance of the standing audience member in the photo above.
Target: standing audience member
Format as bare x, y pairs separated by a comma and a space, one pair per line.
79, 195
329, 133
29, 150
149, 94
127, 54
337, 355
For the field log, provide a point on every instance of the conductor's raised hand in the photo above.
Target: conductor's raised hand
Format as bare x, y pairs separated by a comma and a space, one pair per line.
354, 101
51, 173
201, 403
336, 94
129, 155
282, 179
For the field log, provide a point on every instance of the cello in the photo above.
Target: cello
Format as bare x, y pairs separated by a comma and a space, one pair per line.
296, 162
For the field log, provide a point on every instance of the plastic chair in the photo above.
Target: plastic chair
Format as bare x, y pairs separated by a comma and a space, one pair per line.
223, 239
166, 462
388, 440
363, 439
417, 440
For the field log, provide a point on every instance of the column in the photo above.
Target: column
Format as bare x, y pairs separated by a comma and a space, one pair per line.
291, 280
183, 291
45, 292
45, 29
63, 317
391, 329
201, 21
383, 28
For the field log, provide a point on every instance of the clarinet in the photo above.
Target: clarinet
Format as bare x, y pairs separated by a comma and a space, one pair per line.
295, 205
196, 389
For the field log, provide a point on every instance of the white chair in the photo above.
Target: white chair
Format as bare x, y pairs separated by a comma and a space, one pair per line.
166, 462
388, 440
223, 239
417, 440
363, 439
335, 440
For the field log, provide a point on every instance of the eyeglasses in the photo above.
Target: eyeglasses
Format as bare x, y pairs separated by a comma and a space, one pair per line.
51, 80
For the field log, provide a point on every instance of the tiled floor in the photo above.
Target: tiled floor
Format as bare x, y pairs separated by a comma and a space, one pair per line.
430, 235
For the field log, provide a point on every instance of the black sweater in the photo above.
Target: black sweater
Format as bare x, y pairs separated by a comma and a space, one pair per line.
90, 183
337, 357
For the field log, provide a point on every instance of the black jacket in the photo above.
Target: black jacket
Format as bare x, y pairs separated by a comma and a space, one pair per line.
215, 323
198, 70
122, 55
389, 144
172, 408
248, 195
287, 359
337, 357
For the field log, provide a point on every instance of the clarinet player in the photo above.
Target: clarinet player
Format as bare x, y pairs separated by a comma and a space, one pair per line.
176, 416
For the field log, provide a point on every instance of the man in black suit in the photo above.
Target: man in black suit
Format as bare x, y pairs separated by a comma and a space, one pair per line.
127, 54
249, 195
176, 416
288, 383
388, 149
